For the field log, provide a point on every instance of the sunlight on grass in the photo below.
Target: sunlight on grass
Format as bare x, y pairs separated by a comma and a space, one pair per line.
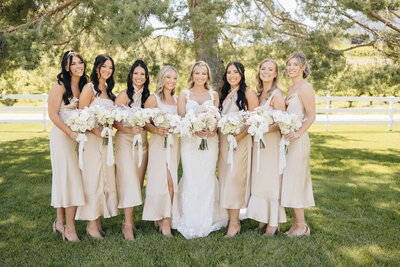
355, 223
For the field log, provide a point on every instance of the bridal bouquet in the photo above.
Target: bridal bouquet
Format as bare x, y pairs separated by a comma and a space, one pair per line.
81, 121
205, 119
168, 121
134, 117
105, 118
287, 122
259, 121
231, 125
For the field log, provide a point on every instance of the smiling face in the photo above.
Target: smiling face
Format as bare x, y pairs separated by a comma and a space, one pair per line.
268, 71
233, 76
138, 77
77, 67
294, 68
170, 79
106, 70
200, 76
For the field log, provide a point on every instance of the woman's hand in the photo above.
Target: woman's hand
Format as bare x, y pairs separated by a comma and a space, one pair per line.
73, 135
292, 136
162, 131
206, 133
96, 131
134, 130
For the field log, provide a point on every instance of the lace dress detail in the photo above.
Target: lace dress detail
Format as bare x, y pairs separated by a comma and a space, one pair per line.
200, 212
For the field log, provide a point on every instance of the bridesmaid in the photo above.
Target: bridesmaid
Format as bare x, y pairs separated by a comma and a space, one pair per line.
162, 182
129, 175
67, 188
98, 177
297, 190
264, 204
235, 183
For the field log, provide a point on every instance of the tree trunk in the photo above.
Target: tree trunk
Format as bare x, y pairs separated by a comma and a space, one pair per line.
206, 40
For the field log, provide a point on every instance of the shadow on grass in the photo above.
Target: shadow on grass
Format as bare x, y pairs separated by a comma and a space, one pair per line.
355, 221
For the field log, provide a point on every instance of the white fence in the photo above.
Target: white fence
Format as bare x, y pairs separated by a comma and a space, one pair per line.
389, 115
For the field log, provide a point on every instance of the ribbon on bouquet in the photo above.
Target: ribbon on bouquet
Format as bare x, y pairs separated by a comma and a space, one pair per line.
258, 141
137, 139
232, 145
108, 132
169, 142
282, 154
81, 139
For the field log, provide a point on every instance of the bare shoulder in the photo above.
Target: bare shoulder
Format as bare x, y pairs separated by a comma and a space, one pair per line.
57, 88
123, 93
306, 88
87, 88
250, 93
182, 94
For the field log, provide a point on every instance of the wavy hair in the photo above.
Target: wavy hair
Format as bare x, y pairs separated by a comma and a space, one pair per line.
64, 77
129, 84
241, 101
202, 64
161, 80
260, 82
94, 76
303, 61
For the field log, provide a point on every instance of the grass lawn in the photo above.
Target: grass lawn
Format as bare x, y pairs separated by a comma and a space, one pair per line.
356, 179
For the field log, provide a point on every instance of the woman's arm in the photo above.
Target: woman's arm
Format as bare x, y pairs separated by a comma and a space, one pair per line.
121, 101
252, 103
182, 104
54, 103
277, 103
151, 102
307, 96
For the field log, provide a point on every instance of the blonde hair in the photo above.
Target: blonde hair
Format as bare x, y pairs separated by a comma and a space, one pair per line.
259, 81
303, 61
202, 64
161, 80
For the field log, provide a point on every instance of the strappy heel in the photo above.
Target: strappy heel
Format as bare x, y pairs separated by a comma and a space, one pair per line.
236, 224
132, 238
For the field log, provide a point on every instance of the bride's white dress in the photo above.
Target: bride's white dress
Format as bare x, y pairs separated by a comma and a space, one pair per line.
200, 212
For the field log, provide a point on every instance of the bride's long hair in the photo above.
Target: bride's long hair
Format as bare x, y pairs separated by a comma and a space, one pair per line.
201, 64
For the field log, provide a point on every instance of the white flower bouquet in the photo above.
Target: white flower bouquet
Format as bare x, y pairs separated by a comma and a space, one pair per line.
81, 121
105, 117
162, 119
231, 125
135, 117
259, 121
205, 119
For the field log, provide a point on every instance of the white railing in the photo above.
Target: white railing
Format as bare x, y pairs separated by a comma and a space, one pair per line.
389, 115
14, 118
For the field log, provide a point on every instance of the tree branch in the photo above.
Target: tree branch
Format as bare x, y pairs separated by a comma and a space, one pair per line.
37, 20
385, 21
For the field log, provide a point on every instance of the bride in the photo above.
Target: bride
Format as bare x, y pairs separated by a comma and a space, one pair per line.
200, 212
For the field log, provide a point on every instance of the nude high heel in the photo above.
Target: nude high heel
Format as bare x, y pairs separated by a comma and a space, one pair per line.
130, 238
235, 224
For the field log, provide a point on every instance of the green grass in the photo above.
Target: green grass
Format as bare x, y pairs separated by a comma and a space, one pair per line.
356, 178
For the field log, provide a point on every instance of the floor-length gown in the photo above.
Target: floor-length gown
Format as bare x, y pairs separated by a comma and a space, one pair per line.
234, 183
67, 186
157, 204
98, 178
264, 204
297, 189
129, 176
200, 212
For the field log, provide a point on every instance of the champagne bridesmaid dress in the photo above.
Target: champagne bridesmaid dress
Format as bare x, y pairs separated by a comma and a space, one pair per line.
235, 182
129, 175
98, 178
264, 204
67, 186
157, 204
297, 189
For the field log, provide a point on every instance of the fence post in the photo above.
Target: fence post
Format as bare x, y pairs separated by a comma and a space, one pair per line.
44, 106
391, 111
328, 107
